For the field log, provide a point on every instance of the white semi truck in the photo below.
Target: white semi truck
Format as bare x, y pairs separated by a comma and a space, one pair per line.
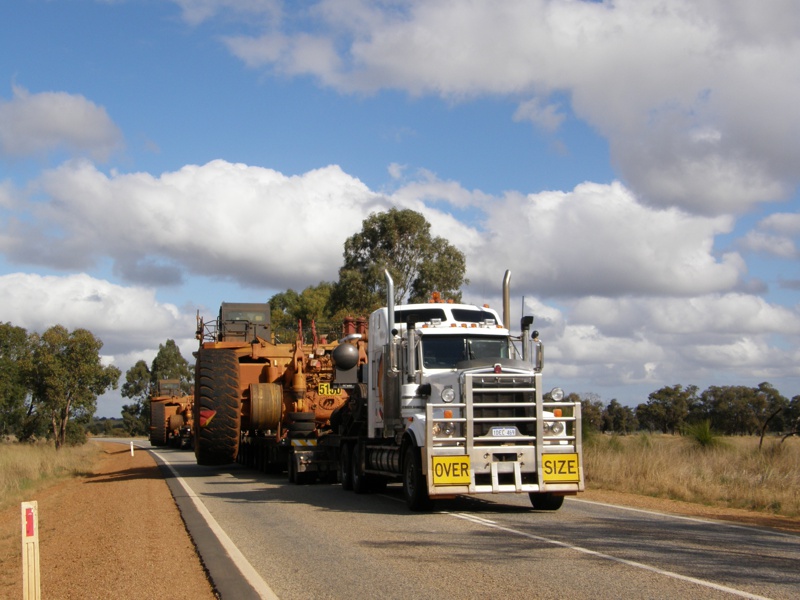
443, 398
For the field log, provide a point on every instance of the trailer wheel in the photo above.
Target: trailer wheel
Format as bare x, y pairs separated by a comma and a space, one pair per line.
345, 473
217, 407
306, 478
415, 487
359, 478
546, 501
301, 426
158, 424
291, 472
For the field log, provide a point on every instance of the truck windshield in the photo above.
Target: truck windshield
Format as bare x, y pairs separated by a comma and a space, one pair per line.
443, 352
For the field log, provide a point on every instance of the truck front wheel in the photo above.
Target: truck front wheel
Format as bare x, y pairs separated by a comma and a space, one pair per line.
546, 501
415, 487
357, 476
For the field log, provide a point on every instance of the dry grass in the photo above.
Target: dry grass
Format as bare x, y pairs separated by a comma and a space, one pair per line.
26, 468
732, 473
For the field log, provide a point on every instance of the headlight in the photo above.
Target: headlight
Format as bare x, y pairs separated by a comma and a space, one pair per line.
445, 429
448, 394
553, 428
557, 394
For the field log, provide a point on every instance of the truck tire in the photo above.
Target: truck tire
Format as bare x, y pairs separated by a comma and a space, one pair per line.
359, 478
158, 424
345, 473
415, 487
217, 407
546, 501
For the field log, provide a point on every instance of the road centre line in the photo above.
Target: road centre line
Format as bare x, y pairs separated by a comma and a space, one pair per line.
630, 563
244, 566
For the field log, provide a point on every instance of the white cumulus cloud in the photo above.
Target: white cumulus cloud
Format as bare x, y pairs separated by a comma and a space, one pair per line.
36, 124
124, 318
695, 99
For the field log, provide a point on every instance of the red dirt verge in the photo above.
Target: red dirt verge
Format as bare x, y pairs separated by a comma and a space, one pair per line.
114, 534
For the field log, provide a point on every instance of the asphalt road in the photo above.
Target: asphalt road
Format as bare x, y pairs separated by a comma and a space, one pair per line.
271, 539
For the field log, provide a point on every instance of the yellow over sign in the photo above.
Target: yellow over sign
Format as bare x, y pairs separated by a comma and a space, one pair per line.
451, 470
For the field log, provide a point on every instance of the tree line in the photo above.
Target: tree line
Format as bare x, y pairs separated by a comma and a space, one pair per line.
729, 410
49, 383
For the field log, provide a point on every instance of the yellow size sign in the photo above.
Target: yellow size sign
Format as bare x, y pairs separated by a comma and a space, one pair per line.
560, 468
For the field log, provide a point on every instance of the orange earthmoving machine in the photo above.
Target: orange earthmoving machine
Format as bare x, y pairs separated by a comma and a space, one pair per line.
263, 403
171, 420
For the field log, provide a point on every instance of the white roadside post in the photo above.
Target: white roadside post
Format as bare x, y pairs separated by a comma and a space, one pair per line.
31, 585
131, 448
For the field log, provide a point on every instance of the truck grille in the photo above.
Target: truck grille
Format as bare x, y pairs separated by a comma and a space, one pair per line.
499, 403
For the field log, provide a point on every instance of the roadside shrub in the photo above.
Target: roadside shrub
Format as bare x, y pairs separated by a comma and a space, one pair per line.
76, 434
702, 435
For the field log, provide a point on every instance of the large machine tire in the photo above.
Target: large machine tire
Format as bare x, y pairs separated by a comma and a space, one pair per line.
218, 407
158, 424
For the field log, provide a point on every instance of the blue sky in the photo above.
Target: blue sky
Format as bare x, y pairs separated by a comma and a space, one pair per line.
633, 163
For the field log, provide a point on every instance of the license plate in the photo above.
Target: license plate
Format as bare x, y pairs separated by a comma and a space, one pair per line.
451, 470
504, 431
560, 468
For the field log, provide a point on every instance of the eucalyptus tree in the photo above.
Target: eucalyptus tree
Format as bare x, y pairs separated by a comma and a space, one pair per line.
399, 241
66, 377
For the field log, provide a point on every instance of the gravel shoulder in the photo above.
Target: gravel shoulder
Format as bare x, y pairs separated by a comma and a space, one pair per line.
117, 533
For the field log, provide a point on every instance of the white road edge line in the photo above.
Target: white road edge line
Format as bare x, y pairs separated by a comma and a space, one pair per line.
244, 566
630, 563
685, 518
